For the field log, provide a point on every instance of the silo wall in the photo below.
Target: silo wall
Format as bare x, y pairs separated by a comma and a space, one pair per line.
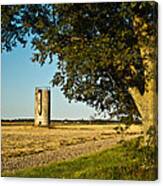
42, 107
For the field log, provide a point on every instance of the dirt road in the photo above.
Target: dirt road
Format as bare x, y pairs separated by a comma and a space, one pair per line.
26, 146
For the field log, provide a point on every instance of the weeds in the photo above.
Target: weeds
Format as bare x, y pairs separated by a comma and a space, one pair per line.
127, 162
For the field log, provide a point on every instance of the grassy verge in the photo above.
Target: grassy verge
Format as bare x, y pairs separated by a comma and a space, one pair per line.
123, 162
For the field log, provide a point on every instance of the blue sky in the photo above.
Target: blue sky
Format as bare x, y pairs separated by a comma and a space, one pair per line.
19, 77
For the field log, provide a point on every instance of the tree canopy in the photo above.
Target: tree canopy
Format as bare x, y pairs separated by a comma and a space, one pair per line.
97, 47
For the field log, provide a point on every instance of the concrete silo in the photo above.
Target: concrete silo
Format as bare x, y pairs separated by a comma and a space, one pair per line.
42, 106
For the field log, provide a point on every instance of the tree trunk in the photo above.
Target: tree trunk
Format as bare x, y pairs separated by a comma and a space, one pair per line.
147, 106
146, 103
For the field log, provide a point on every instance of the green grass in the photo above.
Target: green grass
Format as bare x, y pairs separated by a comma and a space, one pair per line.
122, 162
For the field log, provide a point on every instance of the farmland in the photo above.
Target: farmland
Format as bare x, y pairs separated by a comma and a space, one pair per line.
27, 146
122, 162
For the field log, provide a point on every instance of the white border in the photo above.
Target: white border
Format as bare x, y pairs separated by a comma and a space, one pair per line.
61, 182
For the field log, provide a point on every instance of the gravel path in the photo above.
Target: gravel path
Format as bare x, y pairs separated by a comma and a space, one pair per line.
64, 153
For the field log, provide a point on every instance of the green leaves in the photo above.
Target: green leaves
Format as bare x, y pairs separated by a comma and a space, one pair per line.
97, 47
57, 79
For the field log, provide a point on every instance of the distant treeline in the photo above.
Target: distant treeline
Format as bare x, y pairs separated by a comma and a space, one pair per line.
68, 121
17, 120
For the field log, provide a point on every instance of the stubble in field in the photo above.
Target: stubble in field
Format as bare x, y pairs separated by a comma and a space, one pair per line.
23, 144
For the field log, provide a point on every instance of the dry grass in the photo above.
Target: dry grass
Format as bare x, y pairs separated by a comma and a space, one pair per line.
24, 141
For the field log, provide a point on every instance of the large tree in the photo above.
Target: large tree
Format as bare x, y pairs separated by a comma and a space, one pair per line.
99, 48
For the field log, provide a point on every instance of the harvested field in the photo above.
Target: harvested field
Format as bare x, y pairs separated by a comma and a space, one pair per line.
28, 146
